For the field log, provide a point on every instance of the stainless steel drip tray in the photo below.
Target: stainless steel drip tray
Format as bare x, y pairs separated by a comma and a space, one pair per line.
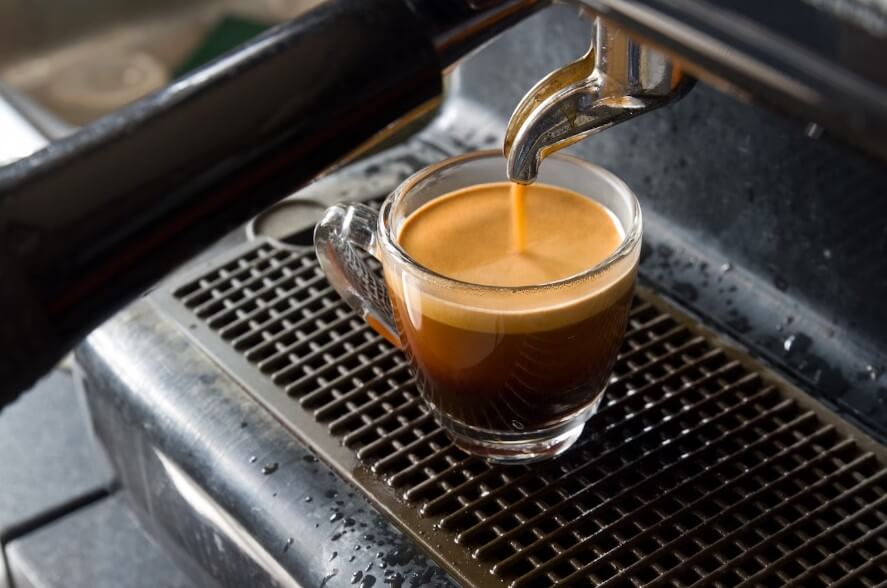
701, 468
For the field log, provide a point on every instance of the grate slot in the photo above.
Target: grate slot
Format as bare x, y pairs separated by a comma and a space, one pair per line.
267, 293
218, 283
629, 420
234, 291
238, 321
861, 574
748, 525
465, 537
268, 330
829, 557
699, 469
653, 503
647, 431
316, 365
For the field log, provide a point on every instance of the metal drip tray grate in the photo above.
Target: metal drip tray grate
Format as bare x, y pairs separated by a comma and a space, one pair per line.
701, 467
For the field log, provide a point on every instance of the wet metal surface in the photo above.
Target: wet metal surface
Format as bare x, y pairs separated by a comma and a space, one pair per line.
702, 466
778, 327
192, 451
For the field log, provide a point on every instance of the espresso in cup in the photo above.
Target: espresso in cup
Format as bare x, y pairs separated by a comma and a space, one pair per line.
508, 361
510, 302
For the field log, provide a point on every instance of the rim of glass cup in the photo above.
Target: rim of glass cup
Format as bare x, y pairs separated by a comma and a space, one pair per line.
389, 242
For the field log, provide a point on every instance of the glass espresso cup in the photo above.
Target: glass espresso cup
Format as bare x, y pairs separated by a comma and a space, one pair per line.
511, 373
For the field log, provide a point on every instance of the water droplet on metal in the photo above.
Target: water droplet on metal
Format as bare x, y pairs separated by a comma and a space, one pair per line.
356, 576
421, 578
813, 130
332, 574
789, 341
872, 372
269, 468
253, 459
308, 499
335, 517
517, 425
368, 580
286, 546
726, 267
334, 555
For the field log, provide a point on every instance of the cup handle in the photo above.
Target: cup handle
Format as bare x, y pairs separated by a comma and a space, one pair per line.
343, 229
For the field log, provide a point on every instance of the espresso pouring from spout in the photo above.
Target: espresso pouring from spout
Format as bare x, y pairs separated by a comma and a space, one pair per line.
617, 79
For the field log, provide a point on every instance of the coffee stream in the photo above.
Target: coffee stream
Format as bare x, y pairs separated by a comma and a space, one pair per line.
519, 216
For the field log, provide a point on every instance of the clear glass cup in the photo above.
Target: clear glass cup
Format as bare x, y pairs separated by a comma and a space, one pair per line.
512, 374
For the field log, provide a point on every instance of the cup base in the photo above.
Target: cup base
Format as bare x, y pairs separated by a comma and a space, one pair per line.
519, 452
519, 447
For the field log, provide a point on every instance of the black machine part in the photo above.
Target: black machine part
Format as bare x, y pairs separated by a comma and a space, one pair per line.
94, 220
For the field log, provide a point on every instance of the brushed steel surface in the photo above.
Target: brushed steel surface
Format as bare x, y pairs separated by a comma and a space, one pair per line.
216, 478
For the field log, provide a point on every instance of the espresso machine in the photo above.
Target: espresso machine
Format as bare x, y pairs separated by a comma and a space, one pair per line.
264, 436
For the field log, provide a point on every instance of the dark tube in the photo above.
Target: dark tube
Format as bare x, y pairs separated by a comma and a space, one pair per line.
95, 219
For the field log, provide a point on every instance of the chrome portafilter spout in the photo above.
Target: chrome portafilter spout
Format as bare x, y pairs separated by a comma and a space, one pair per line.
617, 79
